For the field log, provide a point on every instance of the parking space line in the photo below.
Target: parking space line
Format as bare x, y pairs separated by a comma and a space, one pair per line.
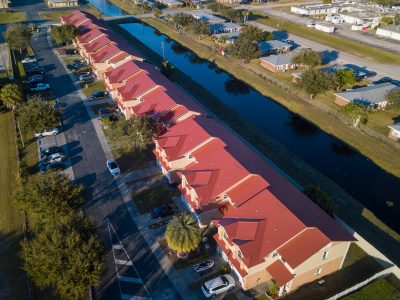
131, 297
117, 247
123, 262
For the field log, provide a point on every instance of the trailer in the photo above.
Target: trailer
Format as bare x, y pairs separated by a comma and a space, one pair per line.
325, 28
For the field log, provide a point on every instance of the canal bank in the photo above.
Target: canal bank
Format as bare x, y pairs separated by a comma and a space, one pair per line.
348, 208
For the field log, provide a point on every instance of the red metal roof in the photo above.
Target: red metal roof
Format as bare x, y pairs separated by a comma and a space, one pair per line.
97, 44
118, 57
280, 273
247, 190
214, 171
137, 86
155, 104
90, 35
105, 53
303, 246
123, 71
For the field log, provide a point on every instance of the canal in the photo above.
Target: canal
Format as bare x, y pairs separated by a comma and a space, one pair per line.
368, 183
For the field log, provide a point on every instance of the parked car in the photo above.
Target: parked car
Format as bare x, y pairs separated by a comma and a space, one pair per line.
28, 60
34, 82
99, 95
218, 285
113, 167
86, 77
53, 131
40, 87
162, 212
204, 266
36, 76
35, 70
311, 24
105, 112
73, 67
52, 150
71, 51
56, 158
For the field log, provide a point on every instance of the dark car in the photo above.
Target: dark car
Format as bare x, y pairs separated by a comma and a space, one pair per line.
73, 67
99, 95
71, 51
105, 112
35, 70
52, 150
162, 212
59, 166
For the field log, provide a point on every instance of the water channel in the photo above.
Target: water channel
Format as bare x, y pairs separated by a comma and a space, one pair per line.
355, 173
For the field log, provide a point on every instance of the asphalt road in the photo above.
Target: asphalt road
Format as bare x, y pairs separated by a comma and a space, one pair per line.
88, 163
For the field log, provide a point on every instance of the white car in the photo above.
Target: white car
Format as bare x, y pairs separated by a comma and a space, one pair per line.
28, 60
40, 87
311, 24
218, 285
56, 158
113, 167
53, 131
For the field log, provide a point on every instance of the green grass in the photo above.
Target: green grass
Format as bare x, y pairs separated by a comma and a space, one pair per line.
12, 17
12, 278
152, 198
126, 6
56, 14
330, 40
382, 289
93, 87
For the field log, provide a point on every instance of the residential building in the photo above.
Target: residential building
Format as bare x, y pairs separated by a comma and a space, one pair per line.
319, 9
171, 3
273, 47
62, 3
394, 132
278, 63
372, 96
391, 32
267, 228
5, 3
206, 17
227, 27
229, 1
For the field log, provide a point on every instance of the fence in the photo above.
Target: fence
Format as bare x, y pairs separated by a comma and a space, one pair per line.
361, 284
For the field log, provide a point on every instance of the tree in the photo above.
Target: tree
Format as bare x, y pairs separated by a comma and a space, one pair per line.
308, 58
167, 68
18, 37
157, 12
254, 34
322, 199
244, 50
386, 20
183, 233
314, 82
357, 112
393, 98
200, 27
11, 95
182, 19
67, 256
37, 115
64, 34
50, 196
342, 78
396, 19
135, 134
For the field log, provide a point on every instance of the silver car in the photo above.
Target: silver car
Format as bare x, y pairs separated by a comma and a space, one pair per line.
218, 285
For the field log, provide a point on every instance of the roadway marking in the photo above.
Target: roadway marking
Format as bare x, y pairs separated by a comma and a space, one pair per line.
131, 297
118, 247
123, 262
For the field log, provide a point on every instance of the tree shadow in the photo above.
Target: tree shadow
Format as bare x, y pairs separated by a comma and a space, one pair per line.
329, 56
236, 87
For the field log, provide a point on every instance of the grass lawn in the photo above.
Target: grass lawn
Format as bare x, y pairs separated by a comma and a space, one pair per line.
93, 87
12, 17
126, 6
56, 14
152, 198
330, 40
12, 279
387, 288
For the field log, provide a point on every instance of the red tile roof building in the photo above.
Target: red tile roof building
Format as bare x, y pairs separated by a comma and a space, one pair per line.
267, 228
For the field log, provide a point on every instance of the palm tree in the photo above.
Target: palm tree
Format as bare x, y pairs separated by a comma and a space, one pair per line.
183, 233
11, 95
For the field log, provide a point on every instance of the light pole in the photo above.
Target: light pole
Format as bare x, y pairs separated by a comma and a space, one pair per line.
162, 47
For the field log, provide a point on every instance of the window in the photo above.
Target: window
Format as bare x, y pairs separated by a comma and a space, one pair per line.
325, 255
225, 235
239, 254
190, 156
318, 271
274, 254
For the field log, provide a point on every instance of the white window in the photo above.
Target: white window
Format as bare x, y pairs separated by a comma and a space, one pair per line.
318, 271
325, 255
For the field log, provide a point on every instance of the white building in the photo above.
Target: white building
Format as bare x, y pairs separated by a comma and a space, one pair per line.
325, 28
320, 9
391, 32
369, 19
62, 3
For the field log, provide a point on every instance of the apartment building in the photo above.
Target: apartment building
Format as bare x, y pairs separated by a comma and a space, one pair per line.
267, 228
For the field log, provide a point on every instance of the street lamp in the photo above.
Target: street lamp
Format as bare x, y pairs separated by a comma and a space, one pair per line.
162, 47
